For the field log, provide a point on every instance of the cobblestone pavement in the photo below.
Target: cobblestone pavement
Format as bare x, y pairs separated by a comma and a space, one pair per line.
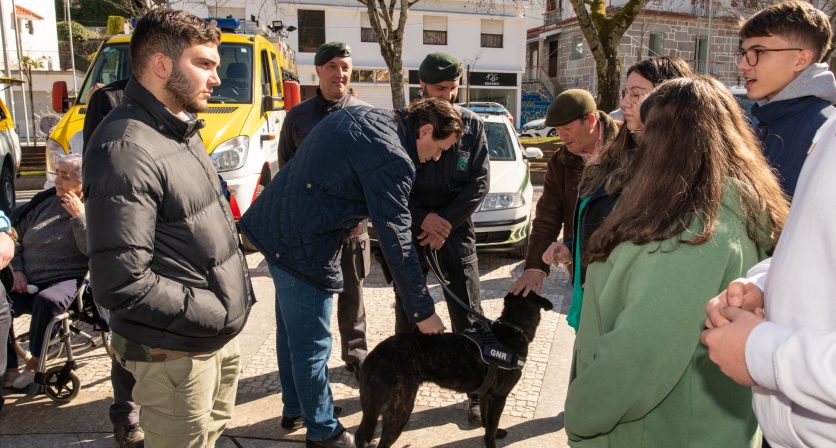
496, 273
260, 373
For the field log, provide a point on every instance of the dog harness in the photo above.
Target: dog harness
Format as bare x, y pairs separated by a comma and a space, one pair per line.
493, 352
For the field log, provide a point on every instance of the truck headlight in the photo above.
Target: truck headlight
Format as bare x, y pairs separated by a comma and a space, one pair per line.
231, 154
502, 201
54, 152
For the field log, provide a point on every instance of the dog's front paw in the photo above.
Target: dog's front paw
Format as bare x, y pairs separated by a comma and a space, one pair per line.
501, 433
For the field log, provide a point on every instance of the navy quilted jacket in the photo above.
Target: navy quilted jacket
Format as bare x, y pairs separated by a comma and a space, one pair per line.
786, 129
356, 163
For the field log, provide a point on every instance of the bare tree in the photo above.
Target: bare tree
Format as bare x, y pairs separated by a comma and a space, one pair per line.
388, 21
137, 8
603, 31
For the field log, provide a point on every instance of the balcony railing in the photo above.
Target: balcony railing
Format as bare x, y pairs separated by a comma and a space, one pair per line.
553, 16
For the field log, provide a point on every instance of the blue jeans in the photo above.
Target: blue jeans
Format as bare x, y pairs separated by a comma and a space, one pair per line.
303, 344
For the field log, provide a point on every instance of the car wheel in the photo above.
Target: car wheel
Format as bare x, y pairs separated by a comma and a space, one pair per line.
7, 190
552, 132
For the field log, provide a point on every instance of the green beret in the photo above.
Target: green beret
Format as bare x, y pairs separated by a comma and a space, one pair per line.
569, 106
331, 50
439, 67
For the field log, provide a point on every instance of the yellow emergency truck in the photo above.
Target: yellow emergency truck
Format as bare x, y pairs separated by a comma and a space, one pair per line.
244, 116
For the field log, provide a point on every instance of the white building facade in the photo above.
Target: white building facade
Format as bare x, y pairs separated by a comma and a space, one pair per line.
28, 30
491, 42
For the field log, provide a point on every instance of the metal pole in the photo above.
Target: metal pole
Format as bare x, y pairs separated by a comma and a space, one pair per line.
20, 69
708, 50
72, 50
6, 60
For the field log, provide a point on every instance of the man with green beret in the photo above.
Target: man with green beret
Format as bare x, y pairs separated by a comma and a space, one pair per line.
333, 66
584, 131
445, 195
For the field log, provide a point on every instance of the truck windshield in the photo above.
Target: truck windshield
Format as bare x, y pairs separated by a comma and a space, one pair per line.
114, 63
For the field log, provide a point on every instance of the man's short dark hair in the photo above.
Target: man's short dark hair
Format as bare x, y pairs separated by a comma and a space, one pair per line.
169, 32
795, 21
437, 112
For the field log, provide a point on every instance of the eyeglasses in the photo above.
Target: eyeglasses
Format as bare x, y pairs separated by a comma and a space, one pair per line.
634, 94
752, 55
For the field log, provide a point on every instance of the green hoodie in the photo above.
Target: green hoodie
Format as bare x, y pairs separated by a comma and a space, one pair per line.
640, 377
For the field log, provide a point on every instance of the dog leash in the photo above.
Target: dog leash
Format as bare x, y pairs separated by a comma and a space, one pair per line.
431, 256
512, 361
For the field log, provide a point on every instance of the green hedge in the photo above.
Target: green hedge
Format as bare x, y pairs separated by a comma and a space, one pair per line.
80, 33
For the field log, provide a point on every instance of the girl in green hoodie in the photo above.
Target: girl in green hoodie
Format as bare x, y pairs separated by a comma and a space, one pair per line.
701, 208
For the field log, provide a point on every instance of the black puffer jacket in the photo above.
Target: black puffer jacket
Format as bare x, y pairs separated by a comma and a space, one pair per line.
356, 163
164, 253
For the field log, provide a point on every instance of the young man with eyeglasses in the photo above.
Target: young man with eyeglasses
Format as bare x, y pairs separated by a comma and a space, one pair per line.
780, 59
774, 330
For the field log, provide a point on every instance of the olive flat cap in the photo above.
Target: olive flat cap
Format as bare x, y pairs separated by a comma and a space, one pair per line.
568, 106
439, 67
331, 50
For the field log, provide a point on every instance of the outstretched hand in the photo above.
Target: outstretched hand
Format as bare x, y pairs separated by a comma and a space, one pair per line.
530, 280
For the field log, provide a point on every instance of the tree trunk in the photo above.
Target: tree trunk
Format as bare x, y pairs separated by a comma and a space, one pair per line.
396, 83
608, 70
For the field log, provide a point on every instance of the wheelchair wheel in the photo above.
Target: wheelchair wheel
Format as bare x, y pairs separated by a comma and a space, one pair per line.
61, 384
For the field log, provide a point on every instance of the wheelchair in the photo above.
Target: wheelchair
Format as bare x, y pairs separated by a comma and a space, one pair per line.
60, 382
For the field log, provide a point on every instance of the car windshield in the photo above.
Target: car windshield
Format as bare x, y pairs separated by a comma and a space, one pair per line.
235, 71
500, 146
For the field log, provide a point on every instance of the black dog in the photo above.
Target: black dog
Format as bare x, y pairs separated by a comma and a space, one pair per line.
392, 372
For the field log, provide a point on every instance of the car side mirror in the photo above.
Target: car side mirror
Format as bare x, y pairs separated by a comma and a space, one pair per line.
533, 153
271, 103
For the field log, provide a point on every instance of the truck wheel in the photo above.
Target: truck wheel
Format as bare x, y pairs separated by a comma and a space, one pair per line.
245, 242
7, 189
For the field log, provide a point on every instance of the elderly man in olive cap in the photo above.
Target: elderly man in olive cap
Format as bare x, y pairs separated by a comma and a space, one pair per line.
445, 195
333, 66
584, 131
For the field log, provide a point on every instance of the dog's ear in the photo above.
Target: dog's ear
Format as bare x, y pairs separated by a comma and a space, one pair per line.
539, 300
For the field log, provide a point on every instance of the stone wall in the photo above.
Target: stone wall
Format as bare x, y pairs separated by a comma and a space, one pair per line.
84, 52
680, 35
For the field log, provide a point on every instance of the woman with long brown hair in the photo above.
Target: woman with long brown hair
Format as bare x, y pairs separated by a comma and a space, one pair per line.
701, 207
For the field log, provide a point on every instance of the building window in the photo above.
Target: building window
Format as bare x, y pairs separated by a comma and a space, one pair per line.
435, 30
491, 33
701, 57
366, 31
370, 76
577, 48
656, 44
311, 30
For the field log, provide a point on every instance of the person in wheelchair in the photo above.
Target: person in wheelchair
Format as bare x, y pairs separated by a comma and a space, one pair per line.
50, 261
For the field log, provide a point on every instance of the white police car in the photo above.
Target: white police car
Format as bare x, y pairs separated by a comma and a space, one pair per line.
503, 220
538, 128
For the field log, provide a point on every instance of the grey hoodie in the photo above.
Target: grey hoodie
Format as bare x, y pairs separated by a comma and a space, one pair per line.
816, 80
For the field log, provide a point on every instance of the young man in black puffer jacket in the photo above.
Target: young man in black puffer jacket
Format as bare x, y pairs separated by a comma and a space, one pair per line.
164, 253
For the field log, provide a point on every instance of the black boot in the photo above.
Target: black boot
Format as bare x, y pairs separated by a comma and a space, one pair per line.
341, 440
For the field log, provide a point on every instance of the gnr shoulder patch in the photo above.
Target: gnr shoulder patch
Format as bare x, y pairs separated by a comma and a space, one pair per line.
463, 160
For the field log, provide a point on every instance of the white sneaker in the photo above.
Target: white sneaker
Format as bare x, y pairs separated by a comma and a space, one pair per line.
9, 377
24, 379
